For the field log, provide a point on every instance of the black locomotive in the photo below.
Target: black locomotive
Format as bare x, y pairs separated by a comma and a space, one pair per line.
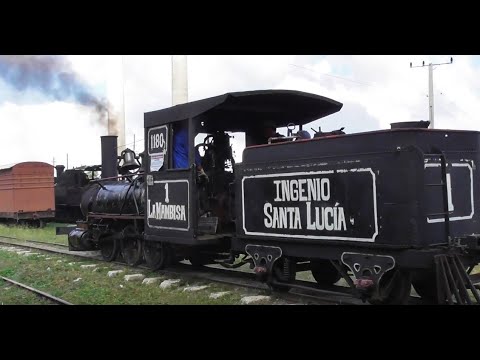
69, 186
388, 208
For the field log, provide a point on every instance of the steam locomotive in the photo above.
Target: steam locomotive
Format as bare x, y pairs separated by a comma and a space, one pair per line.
382, 209
69, 187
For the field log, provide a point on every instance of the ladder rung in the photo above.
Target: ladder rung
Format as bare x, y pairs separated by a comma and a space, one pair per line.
441, 213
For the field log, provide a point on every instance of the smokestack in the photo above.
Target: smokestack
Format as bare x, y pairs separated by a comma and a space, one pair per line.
60, 169
179, 79
109, 156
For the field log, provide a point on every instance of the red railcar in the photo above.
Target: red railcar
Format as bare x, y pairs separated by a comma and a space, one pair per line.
27, 192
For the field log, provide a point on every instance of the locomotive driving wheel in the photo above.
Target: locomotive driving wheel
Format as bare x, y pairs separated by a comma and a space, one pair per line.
394, 288
155, 254
131, 246
109, 248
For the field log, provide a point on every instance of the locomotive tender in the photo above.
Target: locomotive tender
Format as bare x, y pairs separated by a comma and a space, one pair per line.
390, 208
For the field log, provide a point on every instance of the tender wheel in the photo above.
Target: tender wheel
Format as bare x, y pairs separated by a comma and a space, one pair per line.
198, 260
172, 257
109, 248
155, 254
425, 284
283, 270
324, 272
132, 251
394, 288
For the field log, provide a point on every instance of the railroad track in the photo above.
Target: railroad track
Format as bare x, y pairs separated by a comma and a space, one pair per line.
304, 291
34, 241
37, 292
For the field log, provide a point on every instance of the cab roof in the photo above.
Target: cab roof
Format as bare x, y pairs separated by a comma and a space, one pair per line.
239, 111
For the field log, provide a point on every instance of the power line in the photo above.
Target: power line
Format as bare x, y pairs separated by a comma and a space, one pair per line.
333, 76
119, 146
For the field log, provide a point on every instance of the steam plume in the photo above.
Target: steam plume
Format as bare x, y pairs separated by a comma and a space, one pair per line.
56, 79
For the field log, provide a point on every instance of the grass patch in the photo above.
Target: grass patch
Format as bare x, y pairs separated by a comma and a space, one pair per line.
95, 287
46, 234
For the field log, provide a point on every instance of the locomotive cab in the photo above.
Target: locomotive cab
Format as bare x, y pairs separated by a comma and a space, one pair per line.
183, 207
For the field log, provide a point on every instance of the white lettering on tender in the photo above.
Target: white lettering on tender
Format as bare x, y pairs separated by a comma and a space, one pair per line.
328, 218
160, 211
302, 190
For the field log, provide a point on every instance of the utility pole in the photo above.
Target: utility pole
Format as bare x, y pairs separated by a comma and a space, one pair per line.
134, 142
67, 161
430, 87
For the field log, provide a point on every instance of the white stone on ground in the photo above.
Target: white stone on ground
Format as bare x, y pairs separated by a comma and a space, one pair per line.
99, 268
195, 288
134, 277
148, 281
218, 294
49, 258
59, 261
114, 273
89, 266
169, 283
48, 269
253, 299
23, 252
72, 263
28, 254
77, 280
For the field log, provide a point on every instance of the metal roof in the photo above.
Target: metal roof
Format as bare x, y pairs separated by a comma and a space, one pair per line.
238, 111
24, 163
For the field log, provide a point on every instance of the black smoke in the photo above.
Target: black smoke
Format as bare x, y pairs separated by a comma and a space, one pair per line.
54, 77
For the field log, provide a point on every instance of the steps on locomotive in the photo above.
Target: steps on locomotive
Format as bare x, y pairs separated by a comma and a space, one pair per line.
453, 281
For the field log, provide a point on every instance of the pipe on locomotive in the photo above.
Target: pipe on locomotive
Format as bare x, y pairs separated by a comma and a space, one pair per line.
60, 169
109, 156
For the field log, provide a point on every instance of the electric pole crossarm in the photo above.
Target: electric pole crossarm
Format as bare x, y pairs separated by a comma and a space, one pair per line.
430, 87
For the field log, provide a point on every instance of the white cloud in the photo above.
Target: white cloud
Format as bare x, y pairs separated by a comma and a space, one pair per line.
91, 68
41, 132
378, 90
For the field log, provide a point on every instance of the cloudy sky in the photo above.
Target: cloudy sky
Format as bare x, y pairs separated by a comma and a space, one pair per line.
375, 91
